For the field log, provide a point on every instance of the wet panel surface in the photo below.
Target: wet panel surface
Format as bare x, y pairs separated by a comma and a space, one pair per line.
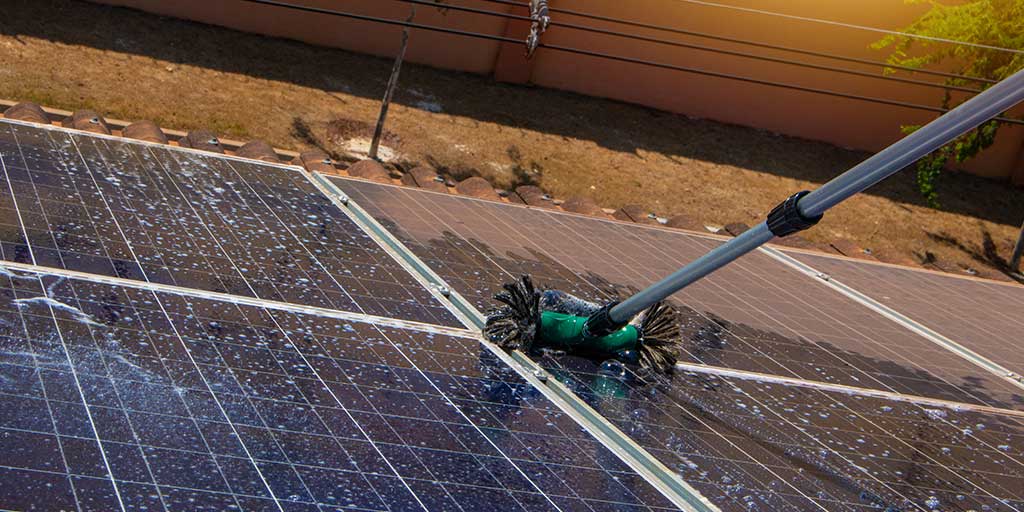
150, 213
984, 316
756, 315
198, 403
752, 445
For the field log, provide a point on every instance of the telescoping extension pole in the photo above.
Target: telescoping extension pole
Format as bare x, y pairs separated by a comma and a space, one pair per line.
805, 209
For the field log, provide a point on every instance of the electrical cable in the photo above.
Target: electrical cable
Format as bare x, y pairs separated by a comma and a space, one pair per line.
758, 44
698, 47
851, 25
631, 60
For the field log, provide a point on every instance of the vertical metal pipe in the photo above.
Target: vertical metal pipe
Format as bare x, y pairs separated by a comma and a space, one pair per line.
1018, 251
389, 92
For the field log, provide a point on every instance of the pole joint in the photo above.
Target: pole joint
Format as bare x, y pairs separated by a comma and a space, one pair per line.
786, 218
601, 323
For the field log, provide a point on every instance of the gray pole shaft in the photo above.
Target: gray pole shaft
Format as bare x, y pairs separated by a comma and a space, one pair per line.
986, 105
1018, 251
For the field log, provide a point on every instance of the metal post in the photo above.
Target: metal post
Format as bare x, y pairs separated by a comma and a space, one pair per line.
1018, 251
986, 105
390, 91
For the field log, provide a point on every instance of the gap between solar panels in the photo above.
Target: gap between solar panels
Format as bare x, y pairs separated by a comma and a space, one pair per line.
661, 477
7, 266
844, 389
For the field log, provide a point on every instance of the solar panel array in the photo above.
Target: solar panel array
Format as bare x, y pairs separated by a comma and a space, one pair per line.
181, 330
229, 392
745, 444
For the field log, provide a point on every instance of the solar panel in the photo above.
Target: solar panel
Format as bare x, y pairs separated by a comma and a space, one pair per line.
169, 354
982, 315
211, 332
769, 446
756, 314
744, 443
204, 403
151, 213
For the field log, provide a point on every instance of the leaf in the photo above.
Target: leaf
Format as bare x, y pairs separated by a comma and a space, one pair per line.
996, 23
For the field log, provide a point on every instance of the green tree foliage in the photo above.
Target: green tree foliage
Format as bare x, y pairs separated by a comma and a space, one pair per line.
997, 23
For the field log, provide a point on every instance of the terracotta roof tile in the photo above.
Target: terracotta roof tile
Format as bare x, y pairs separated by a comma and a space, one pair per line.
736, 228
635, 213
849, 248
477, 187
426, 177
584, 205
87, 120
203, 140
27, 111
683, 221
258, 150
408, 181
370, 170
797, 241
894, 258
534, 196
620, 214
145, 130
315, 161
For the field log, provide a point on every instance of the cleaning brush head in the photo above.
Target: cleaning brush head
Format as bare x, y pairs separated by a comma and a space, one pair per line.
531, 319
661, 338
514, 326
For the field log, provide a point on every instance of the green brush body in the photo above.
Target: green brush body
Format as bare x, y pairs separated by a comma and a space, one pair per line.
562, 330
527, 322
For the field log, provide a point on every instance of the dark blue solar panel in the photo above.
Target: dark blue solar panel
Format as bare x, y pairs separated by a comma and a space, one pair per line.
151, 213
756, 314
761, 445
205, 404
745, 445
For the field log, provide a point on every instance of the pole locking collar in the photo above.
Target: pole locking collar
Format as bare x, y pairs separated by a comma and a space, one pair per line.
786, 219
600, 323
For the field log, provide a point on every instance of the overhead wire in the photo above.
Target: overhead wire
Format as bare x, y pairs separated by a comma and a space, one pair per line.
758, 44
678, 44
619, 58
851, 25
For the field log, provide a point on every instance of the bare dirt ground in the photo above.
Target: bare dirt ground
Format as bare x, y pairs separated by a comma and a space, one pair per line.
131, 65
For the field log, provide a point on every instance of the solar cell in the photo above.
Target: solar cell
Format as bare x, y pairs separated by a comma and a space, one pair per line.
756, 314
146, 212
123, 395
982, 315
